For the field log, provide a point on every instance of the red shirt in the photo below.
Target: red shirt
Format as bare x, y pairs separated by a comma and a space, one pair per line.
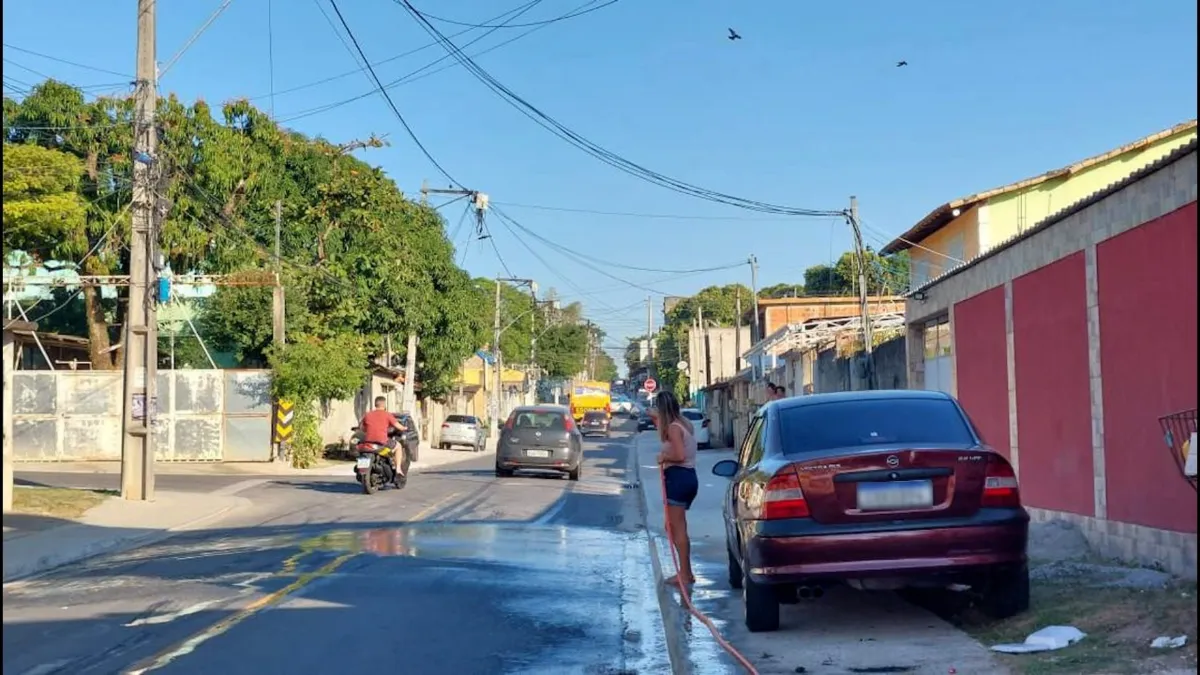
375, 426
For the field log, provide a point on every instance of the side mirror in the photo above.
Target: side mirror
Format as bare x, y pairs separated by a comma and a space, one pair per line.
726, 468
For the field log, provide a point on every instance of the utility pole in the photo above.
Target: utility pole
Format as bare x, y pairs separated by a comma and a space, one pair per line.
494, 403
860, 255
737, 331
140, 350
410, 374
278, 332
652, 369
757, 330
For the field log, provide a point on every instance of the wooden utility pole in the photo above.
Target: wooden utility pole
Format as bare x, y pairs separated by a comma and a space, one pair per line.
651, 369
860, 254
141, 316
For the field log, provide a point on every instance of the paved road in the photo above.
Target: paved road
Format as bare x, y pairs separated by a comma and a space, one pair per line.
458, 573
112, 481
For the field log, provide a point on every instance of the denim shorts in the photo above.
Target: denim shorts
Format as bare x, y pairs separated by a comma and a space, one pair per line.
681, 486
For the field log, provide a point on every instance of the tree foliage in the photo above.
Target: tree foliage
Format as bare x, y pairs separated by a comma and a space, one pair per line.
358, 258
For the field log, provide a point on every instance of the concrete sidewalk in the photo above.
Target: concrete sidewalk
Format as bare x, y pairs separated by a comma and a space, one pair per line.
429, 458
35, 544
823, 637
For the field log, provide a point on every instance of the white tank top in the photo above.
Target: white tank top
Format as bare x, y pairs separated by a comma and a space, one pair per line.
690, 447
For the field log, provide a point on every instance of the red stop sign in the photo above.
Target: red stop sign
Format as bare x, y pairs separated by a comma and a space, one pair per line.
650, 385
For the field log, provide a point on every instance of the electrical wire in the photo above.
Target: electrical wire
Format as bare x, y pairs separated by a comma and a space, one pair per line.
648, 216
388, 98
604, 155
192, 40
458, 228
520, 25
420, 73
340, 76
125, 76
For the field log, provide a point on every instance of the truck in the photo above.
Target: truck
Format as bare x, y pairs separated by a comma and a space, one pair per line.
589, 395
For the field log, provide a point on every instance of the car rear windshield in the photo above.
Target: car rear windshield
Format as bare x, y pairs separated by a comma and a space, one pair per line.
693, 415
847, 424
595, 415
461, 419
540, 419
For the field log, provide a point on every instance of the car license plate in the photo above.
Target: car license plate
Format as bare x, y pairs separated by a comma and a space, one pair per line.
538, 453
364, 462
908, 494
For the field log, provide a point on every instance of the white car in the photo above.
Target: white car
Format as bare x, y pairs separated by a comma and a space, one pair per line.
622, 406
699, 426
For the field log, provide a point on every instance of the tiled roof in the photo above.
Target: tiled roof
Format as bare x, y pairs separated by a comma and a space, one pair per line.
1164, 161
939, 217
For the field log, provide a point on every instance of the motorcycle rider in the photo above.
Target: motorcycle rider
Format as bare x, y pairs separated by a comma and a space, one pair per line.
375, 426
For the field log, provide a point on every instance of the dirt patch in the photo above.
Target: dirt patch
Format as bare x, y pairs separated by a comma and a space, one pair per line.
1120, 620
65, 503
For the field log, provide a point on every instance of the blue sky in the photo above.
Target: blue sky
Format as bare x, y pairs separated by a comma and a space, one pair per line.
806, 110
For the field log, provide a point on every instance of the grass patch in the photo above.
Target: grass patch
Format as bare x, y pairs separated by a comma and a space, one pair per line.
66, 503
1119, 623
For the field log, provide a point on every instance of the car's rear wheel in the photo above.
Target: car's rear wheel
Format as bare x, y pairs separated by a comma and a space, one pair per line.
735, 571
1006, 592
574, 474
503, 473
761, 604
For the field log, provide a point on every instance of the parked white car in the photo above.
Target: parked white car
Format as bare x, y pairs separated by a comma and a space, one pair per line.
699, 426
622, 406
463, 430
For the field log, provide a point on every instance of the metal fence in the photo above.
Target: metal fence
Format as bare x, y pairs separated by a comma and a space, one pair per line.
202, 415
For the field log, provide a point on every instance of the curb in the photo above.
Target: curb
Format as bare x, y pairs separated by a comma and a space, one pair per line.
119, 545
672, 616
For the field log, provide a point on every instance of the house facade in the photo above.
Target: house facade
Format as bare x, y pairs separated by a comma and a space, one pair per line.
1067, 343
965, 228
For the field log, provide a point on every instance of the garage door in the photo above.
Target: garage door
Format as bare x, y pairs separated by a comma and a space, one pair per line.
939, 355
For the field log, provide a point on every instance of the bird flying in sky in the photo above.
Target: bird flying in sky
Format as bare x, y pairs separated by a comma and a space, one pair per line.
733, 35
901, 64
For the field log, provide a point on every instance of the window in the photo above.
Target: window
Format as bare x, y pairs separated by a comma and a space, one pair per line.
919, 270
748, 441
852, 424
956, 252
541, 419
757, 444
693, 415
462, 419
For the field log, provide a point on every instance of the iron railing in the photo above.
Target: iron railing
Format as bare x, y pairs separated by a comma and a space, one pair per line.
1179, 430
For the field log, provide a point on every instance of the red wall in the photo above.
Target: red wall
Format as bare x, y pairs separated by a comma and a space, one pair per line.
1054, 417
980, 364
1147, 290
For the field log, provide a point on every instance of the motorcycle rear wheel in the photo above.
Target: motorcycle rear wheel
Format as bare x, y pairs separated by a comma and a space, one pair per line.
370, 482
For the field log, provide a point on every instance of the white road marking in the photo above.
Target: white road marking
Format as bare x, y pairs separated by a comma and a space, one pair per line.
171, 616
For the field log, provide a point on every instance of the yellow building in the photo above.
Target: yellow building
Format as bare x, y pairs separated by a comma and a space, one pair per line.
472, 391
965, 228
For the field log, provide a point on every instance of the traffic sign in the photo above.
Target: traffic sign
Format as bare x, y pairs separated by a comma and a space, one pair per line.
285, 415
650, 385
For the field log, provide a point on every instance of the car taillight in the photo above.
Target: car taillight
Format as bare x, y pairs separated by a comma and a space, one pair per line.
445, 425
508, 424
570, 424
1000, 486
784, 498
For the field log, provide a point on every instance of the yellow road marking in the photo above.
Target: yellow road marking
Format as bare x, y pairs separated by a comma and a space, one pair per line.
288, 566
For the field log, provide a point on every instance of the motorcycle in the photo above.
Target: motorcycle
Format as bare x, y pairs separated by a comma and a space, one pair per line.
373, 465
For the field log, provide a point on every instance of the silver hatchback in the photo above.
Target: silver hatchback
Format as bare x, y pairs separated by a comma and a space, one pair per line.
540, 437
463, 430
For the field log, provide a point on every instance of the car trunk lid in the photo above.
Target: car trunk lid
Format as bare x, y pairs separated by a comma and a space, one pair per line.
540, 429
892, 483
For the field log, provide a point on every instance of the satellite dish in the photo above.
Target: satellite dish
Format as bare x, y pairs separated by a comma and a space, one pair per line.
682, 365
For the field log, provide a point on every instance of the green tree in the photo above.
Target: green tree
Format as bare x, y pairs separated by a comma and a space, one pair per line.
782, 291
825, 280
606, 367
43, 210
562, 350
312, 370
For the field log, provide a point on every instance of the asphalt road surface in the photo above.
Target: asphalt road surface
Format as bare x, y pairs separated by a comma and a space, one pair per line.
112, 481
460, 572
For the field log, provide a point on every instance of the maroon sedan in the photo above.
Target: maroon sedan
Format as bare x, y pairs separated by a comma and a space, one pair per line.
876, 489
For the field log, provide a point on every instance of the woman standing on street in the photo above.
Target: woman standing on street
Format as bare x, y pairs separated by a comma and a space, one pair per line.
680, 483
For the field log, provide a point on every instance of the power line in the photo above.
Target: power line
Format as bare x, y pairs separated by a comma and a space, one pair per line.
415, 75
192, 40
603, 154
521, 25
649, 216
126, 76
388, 98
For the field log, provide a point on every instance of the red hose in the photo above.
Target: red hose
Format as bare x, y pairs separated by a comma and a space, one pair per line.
683, 591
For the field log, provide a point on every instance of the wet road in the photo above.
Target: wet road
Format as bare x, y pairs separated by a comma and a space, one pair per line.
458, 573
